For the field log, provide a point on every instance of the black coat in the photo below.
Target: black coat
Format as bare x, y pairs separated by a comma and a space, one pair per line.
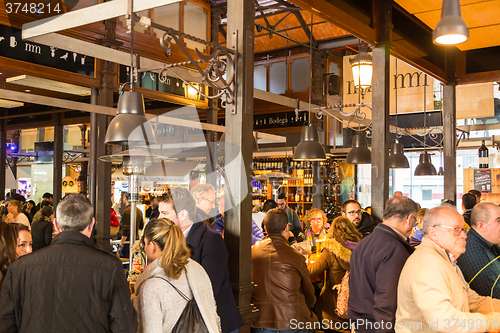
209, 250
41, 232
69, 286
376, 264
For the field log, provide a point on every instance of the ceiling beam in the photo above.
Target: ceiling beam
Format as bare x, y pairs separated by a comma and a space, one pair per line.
306, 29
88, 15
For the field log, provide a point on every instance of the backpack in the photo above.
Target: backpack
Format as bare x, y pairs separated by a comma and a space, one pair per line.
342, 296
190, 320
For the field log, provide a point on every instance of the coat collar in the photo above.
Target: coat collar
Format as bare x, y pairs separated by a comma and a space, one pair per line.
427, 242
388, 230
149, 271
195, 234
73, 237
338, 249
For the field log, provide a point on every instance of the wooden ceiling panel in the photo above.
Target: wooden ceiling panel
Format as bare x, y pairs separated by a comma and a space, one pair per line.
422, 6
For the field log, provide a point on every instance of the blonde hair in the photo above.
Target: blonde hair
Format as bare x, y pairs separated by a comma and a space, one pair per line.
170, 239
342, 229
309, 216
17, 204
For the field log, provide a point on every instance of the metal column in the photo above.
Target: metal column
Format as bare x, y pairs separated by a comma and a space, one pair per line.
3, 155
240, 36
58, 158
93, 150
380, 108
449, 142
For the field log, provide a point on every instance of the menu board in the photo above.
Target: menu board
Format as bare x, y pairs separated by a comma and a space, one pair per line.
482, 180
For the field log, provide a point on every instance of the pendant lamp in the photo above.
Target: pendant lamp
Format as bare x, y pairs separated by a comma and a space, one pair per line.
425, 167
309, 147
359, 154
362, 68
451, 28
397, 158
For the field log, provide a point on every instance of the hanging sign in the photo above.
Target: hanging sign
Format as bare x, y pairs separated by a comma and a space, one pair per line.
482, 180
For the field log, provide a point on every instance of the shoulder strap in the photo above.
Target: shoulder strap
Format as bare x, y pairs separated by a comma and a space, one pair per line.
170, 283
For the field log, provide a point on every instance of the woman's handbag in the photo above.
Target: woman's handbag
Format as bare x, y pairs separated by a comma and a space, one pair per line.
343, 296
190, 320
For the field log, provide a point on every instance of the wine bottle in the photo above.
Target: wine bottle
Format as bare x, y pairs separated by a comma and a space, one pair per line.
483, 156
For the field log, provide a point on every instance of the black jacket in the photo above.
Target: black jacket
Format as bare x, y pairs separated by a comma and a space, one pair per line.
69, 286
376, 264
41, 232
367, 224
209, 250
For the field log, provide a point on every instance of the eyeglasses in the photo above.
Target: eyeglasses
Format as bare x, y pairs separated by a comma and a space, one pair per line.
456, 231
354, 212
317, 219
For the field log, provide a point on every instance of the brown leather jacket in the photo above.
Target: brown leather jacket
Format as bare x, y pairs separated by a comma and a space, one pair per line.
284, 293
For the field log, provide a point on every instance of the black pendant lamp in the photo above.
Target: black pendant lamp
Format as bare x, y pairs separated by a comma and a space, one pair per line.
130, 126
397, 158
451, 28
359, 154
309, 148
425, 166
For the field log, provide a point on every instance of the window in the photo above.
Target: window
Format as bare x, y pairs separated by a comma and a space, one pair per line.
426, 194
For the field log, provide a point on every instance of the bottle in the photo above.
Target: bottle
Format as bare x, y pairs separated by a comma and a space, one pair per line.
483, 156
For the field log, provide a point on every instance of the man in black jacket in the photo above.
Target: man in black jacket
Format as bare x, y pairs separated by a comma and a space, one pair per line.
363, 221
376, 264
207, 248
69, 286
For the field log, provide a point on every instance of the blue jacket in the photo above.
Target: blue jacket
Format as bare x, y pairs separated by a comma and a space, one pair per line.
257, 234
376, 264
209, 250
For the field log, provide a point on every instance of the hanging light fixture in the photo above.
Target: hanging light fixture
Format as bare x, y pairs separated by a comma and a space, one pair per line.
362, 69
309, 147
359, 154
397, 158
451, 28
425, 167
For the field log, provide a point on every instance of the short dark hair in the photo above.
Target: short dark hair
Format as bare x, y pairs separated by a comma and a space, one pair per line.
282, 196
74, 212
181, 199
45, 203
400, 207
275, 221
344, 205
268, 205
476, 193
469, 200
47, 195
47, 211
18, 197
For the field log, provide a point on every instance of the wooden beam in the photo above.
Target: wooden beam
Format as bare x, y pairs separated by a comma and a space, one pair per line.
88, 15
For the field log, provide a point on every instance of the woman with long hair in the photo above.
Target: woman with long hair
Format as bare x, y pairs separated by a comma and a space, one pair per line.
8, 246
24, 240
158, 288
342, 238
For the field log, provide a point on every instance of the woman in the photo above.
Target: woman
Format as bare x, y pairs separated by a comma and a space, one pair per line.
29, 210
342, 238
24, 241
8, 246
15, 214
315, 227
42, 229
158, 304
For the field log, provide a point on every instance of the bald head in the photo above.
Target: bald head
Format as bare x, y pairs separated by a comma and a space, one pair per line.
482, 212
438, 216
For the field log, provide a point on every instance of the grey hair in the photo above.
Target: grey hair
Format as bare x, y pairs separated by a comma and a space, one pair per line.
434, 217
400, 207
74, 212
481, 213
200, 190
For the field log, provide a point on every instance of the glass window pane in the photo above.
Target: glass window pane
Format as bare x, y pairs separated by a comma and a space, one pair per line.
277, 78
260, 78
168, 16
195, 24
301, 74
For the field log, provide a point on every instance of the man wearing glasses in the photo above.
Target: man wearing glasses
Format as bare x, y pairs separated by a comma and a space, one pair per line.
363, 221
204, 195
482, 250
294, 223
432, 290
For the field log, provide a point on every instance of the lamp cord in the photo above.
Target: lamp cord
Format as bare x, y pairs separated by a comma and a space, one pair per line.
396, 96
132, 18
425, 108
311, 65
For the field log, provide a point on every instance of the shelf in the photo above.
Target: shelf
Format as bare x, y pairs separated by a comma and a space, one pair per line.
297, 185
299, 202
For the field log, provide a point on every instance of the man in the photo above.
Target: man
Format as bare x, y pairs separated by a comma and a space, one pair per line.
259, 217
375, 267
432, 293
482, 250
397, 194
363, 221
204, 196
477, 194
69, 286
284, 293
124, 248
152, 211
46, 197
468, 202
295, 225
207, 248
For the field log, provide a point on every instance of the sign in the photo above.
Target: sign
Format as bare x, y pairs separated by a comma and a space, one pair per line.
482, 180
277, 120
12, 46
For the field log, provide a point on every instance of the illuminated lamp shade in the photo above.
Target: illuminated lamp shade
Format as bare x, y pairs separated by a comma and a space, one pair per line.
425, 167
359, 154
362, 68
451, 28
309, 147
130, 126
397, 158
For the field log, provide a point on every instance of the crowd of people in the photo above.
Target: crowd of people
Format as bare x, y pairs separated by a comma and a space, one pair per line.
416, 270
